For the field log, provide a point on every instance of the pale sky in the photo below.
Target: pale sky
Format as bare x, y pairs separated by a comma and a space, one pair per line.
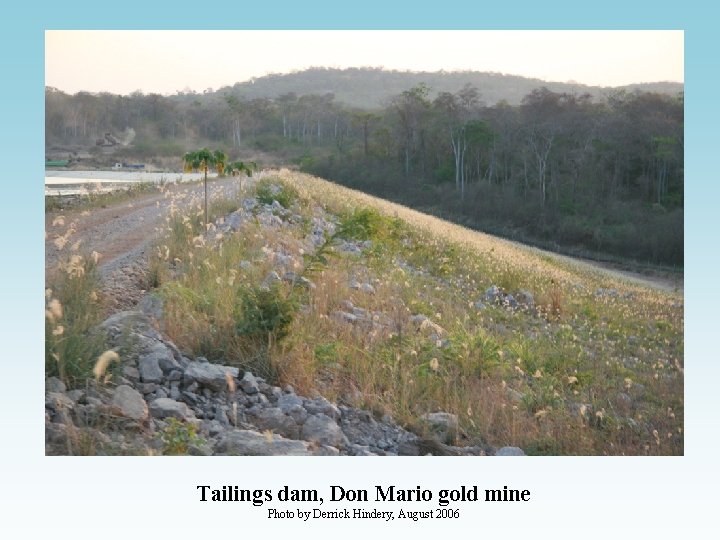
167, 61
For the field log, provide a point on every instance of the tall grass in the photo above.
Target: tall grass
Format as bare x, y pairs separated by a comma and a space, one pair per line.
73, 311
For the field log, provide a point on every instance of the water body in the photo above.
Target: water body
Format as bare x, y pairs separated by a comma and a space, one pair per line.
84, 182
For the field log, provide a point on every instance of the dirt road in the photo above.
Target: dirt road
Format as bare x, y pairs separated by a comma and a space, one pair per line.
122, 234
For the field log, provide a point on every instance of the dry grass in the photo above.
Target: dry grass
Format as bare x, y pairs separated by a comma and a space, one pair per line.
584, 373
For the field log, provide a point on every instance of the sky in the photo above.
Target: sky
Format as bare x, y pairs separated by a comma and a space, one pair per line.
169, 61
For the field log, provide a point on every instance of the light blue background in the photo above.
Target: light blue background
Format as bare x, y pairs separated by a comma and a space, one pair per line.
587, 497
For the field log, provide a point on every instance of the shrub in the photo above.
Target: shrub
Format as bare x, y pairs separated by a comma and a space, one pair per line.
264, 312
268, 191
178, 436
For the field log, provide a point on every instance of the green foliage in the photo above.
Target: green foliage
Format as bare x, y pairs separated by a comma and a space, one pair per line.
264, 311
269, 190
327, 353
178, 437
367, 224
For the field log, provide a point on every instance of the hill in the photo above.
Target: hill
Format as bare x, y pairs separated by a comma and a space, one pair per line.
371, 88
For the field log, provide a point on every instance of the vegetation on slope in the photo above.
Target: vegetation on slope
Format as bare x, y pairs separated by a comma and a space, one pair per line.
395, 311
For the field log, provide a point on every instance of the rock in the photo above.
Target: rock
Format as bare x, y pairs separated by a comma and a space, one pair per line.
235, 220
525, 298
294, 279
129, 403
345, 316
118, 325
612, 293
147, 388
515, 396
510, 301
76, 395
322, 429
245, 265
623, 402
494, 295
169, 408
58, 401
149, 368
288, 402
249, 384
320, 405
428, 327
442, 425
200, 450
53, 384
55, 434
249, 203
350, 248
273, 419
240, 442
131, 373
479, 305
212, 376
152, 306
362, 429
510, 451
359, 450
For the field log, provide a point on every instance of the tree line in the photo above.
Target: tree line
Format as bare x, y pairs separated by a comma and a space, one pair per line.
560, 169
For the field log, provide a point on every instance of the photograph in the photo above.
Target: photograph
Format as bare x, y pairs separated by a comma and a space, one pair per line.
364, 243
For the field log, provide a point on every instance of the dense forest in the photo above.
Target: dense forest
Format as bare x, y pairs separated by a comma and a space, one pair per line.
590, 174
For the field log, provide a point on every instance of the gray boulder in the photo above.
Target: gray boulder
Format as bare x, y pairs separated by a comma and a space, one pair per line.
510, 451
442, 425
322, 429
249, 384
149, 368
169, 408
53, 384
494, 295
58, 401
240, 442
320, 405
129, 403
525, 298
209, 375
273, 419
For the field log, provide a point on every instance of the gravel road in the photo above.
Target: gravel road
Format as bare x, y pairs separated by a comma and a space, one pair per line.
123, 233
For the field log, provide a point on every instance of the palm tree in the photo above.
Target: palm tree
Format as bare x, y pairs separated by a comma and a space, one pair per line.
201, 160
236, 167
220, 160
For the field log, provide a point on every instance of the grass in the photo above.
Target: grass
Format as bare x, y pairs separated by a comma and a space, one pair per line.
73, 311
578, 373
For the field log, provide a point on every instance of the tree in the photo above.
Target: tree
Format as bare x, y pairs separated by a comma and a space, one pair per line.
202, 160
455, 112
237, 167
364, 119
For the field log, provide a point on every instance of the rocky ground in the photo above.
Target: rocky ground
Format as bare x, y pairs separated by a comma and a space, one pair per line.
161, 400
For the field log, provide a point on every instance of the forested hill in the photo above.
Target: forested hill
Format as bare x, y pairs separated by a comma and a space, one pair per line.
373, 87
590, 175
